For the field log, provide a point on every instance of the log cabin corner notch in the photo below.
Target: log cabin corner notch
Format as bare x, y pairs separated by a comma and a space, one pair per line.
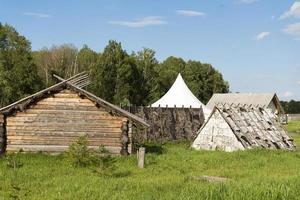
50, 120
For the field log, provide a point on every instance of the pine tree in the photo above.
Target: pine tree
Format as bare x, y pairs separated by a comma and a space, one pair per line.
18, 73
105, 79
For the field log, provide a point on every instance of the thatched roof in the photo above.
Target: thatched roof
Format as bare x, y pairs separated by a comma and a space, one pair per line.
249, 99
254, 127
23, 104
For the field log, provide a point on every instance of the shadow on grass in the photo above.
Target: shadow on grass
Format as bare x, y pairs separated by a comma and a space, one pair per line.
154, 148
122, 174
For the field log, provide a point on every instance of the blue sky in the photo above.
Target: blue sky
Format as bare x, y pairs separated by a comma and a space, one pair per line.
254, 43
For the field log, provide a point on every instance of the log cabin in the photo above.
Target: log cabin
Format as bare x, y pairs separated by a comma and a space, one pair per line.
52, 119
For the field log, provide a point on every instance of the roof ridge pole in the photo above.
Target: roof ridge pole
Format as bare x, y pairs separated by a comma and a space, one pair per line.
63, 81
106, 104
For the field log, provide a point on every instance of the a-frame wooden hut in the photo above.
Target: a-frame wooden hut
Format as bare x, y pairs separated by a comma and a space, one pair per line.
231, 128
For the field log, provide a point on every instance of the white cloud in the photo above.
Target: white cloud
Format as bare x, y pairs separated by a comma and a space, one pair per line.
262, 36
294, 11
298, 82
293, 30
146, 21
288, 94
34, 14
190, 13
248, 1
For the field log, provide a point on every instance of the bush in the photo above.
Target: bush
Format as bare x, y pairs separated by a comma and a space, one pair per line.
79, 154
99, 160
103, 162
13, 161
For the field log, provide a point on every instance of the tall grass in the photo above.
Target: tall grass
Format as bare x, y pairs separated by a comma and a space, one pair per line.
169, 174
293, 127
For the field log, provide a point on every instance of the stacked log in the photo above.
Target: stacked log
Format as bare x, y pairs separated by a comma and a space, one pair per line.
52, 124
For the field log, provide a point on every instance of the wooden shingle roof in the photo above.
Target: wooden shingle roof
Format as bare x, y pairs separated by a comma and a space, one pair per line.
249, 99
255, 127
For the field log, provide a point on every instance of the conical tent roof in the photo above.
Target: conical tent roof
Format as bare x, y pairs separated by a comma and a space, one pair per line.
179, 95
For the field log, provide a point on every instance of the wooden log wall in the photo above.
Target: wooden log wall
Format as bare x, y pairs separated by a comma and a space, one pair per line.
2, 134
54, 123
168, 124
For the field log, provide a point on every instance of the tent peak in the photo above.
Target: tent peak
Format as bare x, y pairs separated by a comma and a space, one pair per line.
179, 95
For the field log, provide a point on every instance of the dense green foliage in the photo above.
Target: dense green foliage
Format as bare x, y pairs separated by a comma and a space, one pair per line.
116, 76
291, 107
171, 173
78, 153
18, 73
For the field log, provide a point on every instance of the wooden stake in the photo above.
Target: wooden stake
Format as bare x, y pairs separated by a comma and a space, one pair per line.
141, 157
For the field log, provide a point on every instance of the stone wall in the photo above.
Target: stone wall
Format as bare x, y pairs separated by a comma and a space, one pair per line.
169, 124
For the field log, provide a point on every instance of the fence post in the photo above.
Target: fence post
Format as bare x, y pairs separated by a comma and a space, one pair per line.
141, 157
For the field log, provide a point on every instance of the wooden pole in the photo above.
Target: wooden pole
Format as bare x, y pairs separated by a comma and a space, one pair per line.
2, 136
141, 157
124, 137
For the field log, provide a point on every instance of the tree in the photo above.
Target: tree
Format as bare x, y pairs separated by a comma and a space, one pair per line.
86, 59
291, 107
18, 73
204, 80
105, 79
147, 63
168, 71
61, 60
128, 83
42, 59
128, 79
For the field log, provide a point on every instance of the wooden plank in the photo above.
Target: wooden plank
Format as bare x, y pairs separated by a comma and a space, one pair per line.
50, 126
63, 114
61, 128
141, 157
63, 137
66, 95
65, 107
53, 148
55, 137
66, 91
66, 100
64, 103
90, 133
58, 118
57, 111
1, 119
54, 122
211, 179
61, 142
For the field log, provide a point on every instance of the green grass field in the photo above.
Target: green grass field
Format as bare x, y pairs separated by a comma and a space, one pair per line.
171, 173
293, 127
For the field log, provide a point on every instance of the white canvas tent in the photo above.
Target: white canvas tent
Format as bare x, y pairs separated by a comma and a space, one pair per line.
179, 95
